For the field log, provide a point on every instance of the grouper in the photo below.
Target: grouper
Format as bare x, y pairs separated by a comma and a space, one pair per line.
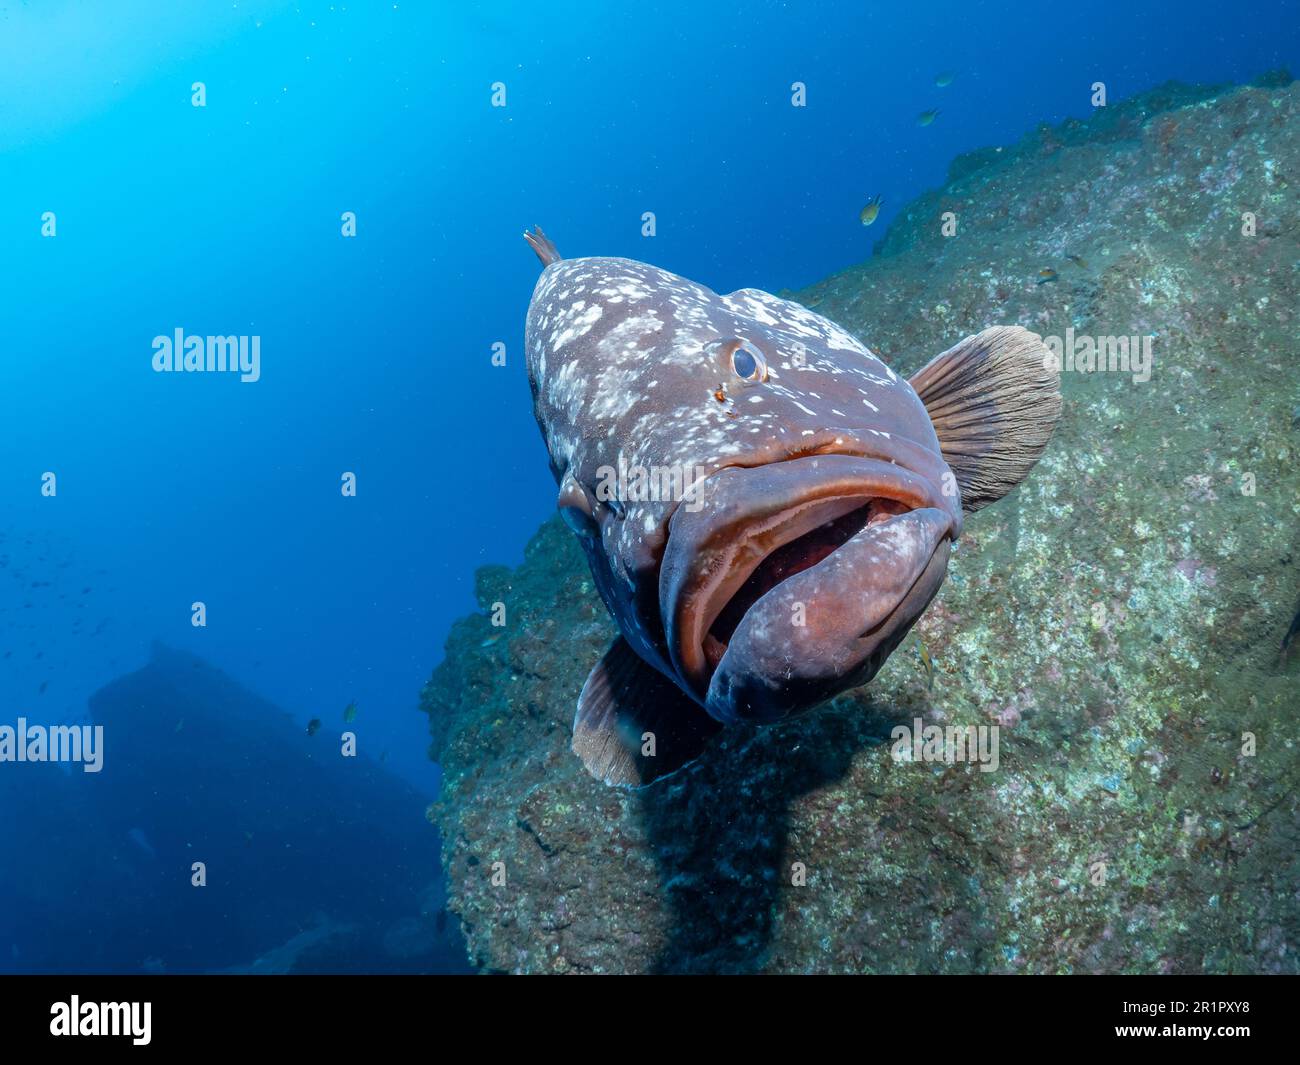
766, 507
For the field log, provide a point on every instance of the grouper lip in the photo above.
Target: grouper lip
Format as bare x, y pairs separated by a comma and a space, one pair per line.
746, 515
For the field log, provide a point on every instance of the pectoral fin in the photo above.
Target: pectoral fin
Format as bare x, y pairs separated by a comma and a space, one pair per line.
994, 400
633, 724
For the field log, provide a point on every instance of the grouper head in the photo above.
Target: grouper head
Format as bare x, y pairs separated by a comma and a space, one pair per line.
766, 506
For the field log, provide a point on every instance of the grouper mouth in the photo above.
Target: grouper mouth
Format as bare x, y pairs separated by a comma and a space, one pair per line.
790, 581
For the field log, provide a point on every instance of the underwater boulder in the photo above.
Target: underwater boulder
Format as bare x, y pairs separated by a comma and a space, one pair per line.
307, 857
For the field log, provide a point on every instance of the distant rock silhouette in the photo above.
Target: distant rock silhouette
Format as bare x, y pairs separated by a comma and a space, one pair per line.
299, 844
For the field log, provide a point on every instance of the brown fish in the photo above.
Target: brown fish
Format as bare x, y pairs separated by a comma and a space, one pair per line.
764, 551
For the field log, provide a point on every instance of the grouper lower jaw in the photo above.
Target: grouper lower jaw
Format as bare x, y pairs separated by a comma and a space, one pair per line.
831, 627
770, 539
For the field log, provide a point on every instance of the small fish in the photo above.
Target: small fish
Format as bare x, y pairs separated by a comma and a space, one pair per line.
927, 664
1288, 639
1078, 261
869, 212
44, 684
313, 726
350, 714
179, 725
926, 117
944, 79
440, 922
137, 836
1046, 275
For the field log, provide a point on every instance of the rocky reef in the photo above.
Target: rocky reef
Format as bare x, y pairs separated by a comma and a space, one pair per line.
1119, 617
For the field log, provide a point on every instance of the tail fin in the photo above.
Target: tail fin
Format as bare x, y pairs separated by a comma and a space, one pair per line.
994, 400
543, 245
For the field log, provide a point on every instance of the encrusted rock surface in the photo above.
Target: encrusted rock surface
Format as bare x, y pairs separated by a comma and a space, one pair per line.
1119, 617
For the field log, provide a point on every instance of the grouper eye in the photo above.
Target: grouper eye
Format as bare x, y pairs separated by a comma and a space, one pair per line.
746, 363
575, 506
742, 359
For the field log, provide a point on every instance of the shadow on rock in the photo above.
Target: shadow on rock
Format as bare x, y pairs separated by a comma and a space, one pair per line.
719, 830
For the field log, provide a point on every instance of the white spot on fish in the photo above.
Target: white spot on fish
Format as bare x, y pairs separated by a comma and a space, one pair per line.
580, 326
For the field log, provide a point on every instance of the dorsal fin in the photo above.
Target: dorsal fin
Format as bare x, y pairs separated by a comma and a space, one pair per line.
994, 399
543, 245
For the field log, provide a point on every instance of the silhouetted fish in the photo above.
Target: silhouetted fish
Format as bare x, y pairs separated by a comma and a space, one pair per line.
1289, 639
137, 836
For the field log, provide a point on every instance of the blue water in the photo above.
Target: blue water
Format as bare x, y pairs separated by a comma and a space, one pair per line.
376, 349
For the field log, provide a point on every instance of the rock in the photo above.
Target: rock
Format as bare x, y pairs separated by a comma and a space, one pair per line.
1119, 617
